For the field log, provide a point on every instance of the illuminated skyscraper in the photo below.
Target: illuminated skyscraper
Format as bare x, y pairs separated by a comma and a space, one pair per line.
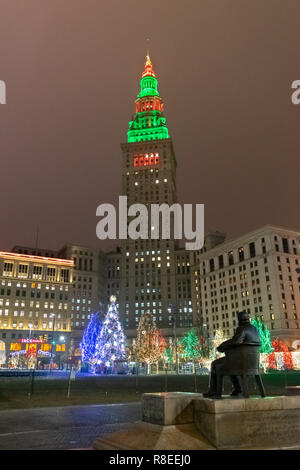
148, 270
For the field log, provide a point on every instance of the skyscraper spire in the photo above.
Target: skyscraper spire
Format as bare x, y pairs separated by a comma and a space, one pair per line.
148, 72
148, 122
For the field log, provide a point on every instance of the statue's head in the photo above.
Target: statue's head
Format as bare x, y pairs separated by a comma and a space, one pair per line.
243, 317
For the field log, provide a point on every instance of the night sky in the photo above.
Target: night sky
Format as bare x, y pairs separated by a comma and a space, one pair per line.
72, 71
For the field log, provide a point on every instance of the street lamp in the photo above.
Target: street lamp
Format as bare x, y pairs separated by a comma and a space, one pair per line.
29, 344
174, 312
61, 340
52, 315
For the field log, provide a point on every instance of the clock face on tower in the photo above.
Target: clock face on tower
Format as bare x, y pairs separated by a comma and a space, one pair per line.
145, 159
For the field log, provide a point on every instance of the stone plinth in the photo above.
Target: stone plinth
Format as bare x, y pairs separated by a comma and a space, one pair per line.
168, 408
147, 436
168, 424
261, 423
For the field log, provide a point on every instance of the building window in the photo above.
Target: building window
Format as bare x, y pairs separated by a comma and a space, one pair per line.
51, 274
285, 245
8, 269
37, 272
252, 250
65, 275
23, 270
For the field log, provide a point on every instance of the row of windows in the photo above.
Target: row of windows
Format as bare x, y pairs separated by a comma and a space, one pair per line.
38, 272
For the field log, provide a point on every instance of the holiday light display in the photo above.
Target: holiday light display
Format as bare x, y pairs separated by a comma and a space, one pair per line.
218, 339
146, 159
264, 336
205, 349
89, 340
170, 352
283, 360
110, 345
191, 345
148, 122
150, 345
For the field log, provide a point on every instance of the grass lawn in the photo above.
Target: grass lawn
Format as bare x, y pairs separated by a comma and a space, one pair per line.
116, 389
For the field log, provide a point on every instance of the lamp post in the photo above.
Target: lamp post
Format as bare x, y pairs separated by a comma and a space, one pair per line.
61, 339
174, 312
52, 315
30, 326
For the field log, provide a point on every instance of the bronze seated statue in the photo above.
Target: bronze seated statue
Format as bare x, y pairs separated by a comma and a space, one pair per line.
241, 359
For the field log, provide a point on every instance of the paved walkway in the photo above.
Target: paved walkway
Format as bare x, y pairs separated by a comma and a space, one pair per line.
68, 427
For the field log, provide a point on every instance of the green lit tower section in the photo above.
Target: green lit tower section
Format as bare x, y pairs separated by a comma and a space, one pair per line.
148, 122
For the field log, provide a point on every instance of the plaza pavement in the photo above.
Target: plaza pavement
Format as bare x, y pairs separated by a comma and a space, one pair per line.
61, 428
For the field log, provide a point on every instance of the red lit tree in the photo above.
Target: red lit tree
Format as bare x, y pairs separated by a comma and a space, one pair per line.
280, 346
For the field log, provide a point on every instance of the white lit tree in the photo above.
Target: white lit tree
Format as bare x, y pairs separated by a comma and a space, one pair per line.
110, 345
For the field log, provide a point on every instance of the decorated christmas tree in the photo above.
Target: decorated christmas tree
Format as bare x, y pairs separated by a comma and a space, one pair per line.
150, 344
110, 345
264, 335
190, 342
89, 340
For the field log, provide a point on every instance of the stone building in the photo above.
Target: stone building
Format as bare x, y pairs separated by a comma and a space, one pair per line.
256, 272
35, 303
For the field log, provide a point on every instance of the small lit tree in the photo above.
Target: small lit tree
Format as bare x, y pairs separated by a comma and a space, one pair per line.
170, 352
89, 340
280, 347
264, 335
191, 346
150, 344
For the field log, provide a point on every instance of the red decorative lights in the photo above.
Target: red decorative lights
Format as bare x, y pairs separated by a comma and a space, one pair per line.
148, 72
150, 159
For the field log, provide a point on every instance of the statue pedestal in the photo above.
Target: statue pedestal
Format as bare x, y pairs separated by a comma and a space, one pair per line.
168, 424
187, 421
257, 423
148, 436
169, 408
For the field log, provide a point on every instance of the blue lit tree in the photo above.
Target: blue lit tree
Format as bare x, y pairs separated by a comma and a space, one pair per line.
110, 346
89, 340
